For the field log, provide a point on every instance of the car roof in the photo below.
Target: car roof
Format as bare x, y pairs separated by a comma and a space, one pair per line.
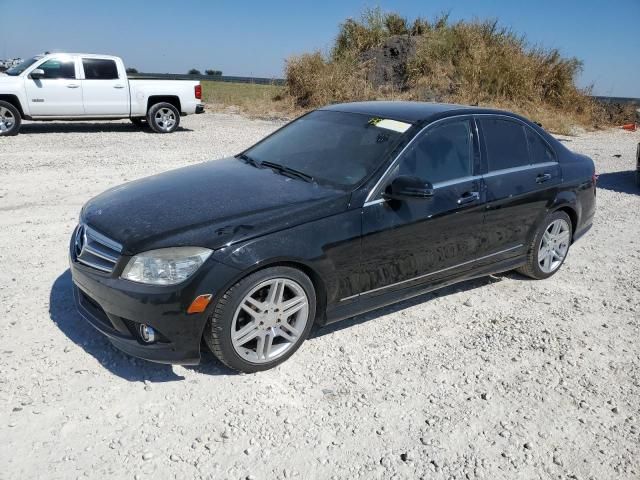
86, 55
411, 112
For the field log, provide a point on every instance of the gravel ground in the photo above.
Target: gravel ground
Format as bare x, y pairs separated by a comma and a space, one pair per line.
497, 378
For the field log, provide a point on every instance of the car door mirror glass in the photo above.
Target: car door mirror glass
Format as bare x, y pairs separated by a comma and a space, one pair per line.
407, 187
37, 73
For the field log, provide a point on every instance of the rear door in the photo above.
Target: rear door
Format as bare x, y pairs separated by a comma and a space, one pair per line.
521, 178
59, 92
407, 243
104, 88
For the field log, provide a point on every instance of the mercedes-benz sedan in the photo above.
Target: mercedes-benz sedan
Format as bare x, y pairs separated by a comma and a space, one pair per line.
346, 209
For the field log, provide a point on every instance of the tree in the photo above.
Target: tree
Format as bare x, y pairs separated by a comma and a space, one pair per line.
194, 71
215, 73
132, 70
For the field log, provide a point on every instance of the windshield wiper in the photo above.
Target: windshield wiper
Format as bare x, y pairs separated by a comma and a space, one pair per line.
288, 171
247, 159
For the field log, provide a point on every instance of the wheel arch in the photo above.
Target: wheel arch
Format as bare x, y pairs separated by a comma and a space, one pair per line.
573, 216
316, 279
314, 276
15, 101
172, 99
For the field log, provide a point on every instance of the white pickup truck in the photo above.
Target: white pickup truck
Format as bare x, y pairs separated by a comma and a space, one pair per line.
77, 86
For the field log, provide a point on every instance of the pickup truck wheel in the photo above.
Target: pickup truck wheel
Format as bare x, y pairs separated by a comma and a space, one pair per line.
262, 320
163, 118
549, 248
10, 119
139, 122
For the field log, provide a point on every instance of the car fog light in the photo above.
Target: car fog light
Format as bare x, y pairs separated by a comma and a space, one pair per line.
147, 333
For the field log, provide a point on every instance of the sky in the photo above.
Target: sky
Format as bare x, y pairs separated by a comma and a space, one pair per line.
254, 38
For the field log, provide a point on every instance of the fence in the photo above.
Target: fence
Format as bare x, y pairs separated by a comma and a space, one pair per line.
213, 78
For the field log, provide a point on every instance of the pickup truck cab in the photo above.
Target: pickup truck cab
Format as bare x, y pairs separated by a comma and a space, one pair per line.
78, 86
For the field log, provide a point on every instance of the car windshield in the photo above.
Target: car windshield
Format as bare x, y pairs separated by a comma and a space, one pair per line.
21, 67
337, 148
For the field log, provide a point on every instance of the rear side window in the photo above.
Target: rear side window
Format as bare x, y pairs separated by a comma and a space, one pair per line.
538, 148
99, 69
58, 68
443, 153
506, 143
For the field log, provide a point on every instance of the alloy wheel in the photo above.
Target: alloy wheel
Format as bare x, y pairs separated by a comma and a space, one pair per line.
270, 320
165, 119
7, 120
554, 245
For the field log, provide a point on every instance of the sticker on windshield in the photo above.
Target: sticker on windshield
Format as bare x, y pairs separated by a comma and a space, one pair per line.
387, 124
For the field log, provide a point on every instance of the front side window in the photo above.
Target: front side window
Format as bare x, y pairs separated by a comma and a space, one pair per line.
99, 69
443, 153
505, 142
337, 148
539, 151
59, 68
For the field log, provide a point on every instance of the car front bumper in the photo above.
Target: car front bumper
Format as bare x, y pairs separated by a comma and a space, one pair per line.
117, 307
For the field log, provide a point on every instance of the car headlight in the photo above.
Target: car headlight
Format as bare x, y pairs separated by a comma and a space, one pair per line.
166, 266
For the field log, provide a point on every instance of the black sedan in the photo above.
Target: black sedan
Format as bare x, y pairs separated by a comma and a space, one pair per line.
344, 210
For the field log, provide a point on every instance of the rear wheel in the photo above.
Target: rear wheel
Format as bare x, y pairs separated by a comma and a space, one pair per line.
262, 320
10, 120
549, 248
163, 118
638, 165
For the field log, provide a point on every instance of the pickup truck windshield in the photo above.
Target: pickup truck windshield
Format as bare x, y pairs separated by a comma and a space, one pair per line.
337, 148
21, 67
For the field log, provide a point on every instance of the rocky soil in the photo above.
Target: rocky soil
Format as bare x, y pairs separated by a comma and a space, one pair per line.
498, 378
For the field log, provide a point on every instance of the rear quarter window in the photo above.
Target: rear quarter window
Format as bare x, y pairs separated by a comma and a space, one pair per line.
99, 69
505, 142
539, 151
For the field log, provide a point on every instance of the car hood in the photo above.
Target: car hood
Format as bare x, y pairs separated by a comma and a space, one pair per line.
9, 79
211, 205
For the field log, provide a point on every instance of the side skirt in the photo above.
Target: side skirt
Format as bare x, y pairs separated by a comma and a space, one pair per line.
366, 304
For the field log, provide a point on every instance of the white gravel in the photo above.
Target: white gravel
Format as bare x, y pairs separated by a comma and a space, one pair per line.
498, 378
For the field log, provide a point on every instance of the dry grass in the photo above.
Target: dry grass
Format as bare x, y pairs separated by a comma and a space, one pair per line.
252, 99
475, 63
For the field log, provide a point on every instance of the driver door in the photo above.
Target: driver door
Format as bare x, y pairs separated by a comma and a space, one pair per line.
58, 93
410, 242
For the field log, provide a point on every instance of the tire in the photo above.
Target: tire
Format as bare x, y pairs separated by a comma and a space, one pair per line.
10, 119
139, 121
163, 118
560, 243
638, 165
263, 332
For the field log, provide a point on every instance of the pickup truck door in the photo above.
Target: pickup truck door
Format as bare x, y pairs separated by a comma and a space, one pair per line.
58, 93
104, 87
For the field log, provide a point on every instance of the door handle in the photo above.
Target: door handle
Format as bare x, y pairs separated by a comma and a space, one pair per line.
543, 177
72, 85
118, 86
468, 198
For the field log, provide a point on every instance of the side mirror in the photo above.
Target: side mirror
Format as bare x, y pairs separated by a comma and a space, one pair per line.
408, 188
37, 73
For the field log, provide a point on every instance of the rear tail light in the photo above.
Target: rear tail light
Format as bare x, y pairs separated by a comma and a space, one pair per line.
198, 91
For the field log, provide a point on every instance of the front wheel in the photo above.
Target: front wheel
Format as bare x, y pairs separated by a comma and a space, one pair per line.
262, 320
10, 119
549, 248
163, 118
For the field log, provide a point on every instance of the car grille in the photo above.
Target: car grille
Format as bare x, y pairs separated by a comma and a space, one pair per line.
93, 249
